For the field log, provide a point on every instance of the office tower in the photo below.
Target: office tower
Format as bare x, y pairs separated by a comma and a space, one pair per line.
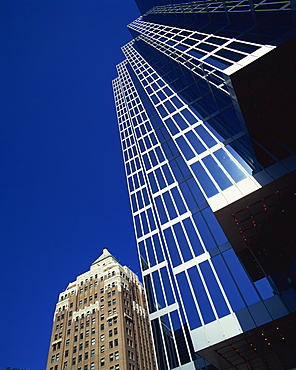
205, 105
101, 321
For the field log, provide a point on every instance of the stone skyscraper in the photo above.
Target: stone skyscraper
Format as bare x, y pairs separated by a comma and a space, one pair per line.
101, 321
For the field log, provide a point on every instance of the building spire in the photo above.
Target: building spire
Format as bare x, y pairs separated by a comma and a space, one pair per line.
103, 256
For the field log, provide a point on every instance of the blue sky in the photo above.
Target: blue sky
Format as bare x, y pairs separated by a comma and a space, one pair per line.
63, 188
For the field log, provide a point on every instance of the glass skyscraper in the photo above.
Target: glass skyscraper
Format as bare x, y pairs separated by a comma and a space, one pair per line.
205, 102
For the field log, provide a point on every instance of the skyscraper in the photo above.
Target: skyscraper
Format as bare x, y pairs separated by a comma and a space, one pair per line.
205, 102
101, 321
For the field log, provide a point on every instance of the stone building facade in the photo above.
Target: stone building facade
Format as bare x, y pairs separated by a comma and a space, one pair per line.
101, 321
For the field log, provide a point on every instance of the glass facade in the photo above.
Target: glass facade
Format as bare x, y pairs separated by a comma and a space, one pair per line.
197, 167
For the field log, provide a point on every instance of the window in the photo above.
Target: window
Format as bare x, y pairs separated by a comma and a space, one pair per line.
93, 341
75, 338
93, 330
69, 322
114, 301
116, 355
86, 344
74, 361
110, 333
82, 325
113, 292
109, 312
92, 353
85, 300
65, 365
52, 358
85, 367
116, 367
71, 305
116, 342
74, 349
86, 355
102, 290
102, 299
67, 342
111, 357
102, 316
80, 346
90, 298
81, 335
102, 337
87, 323
87, 333
67, 353
102, 326
115, 331
115, 320
109, 303
102, 349
80, 303
76, 328
57, 357
109, 294
102, 362
101, 278
114, 311
102, 308
79, 358
92, 366
93, 321
110, 322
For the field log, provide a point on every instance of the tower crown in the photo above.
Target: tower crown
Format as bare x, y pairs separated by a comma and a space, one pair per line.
103, 256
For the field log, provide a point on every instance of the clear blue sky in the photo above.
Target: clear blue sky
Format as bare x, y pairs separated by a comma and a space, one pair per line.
63, 189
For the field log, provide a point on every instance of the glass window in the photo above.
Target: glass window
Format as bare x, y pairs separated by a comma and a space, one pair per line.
185, 148
150, 251
192, 314
167, 285
204, 231
216, 171
193, 237
241, 278
178, 200
180, 121
183, 244
205, 136
201, 296
158, 290
214, 289
230, 165
169, 205
161, 210
176, 260
228, 283
195, 142
204, 179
